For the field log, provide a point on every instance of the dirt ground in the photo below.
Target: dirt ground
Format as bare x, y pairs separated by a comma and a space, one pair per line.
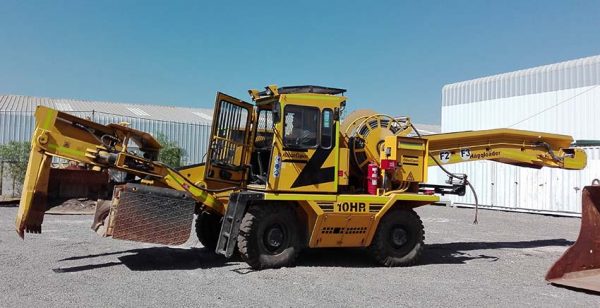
80, 206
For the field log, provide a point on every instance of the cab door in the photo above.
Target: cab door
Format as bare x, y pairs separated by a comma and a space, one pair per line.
229, 147
305, 153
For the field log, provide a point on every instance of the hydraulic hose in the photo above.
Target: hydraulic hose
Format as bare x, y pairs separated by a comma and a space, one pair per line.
453, 175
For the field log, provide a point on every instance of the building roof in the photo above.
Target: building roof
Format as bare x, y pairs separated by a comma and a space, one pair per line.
428, 129
576, 73
28, 104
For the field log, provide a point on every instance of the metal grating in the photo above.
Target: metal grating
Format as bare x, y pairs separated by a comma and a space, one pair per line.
153, 217
342, 230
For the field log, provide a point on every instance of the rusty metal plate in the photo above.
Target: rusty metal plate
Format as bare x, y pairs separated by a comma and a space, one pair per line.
153, 215
67, 183
579, 266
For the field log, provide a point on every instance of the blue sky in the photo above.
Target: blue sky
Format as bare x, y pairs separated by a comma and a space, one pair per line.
392, 56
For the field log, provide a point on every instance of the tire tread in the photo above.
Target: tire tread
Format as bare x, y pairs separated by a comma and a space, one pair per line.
247, 240
378, 250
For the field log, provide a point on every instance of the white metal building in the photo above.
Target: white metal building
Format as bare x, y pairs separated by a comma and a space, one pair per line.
189, 127
561, 98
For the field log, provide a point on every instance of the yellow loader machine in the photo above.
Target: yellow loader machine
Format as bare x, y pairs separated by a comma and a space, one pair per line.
282, 174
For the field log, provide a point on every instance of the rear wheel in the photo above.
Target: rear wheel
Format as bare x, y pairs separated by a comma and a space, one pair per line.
208, 226
269, 236
399, 238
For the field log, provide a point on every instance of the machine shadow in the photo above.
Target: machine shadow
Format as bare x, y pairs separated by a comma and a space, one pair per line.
459, 252
447, 253
168, 258
155, 259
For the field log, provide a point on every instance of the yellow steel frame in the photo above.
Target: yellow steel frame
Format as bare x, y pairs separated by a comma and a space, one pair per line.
348, 219
59, 134
334, 220
511, 146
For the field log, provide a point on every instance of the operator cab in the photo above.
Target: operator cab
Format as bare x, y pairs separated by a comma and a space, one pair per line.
288, 144
263, 145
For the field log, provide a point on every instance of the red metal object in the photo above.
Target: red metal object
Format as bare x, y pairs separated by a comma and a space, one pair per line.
429, 192
579, 266
388, 164
372, 178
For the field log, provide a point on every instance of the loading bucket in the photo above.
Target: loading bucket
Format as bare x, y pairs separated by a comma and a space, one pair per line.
152, 215
579, 266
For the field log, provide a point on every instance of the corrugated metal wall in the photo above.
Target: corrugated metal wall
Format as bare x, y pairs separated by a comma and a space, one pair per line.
23, 103
561, 98
18, 126
572, 112
509, 187
572, 74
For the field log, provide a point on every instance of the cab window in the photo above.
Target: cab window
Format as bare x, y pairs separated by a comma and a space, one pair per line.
327, 129
301, 125
264, 130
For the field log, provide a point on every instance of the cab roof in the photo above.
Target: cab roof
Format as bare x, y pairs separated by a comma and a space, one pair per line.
273, 90
311, 89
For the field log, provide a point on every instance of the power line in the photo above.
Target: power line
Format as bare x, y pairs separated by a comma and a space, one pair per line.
556, 105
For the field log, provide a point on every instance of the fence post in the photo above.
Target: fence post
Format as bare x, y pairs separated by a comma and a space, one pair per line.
1, 175
14, 180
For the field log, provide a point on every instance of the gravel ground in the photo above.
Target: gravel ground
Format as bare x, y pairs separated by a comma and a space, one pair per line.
499, 262
76, 206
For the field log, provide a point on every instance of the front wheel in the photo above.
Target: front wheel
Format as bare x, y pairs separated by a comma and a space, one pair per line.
269, 236
208, 227
399, 238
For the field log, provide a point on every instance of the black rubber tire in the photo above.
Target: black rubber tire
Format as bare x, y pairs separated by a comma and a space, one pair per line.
389, 253
208, 226
252, 239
